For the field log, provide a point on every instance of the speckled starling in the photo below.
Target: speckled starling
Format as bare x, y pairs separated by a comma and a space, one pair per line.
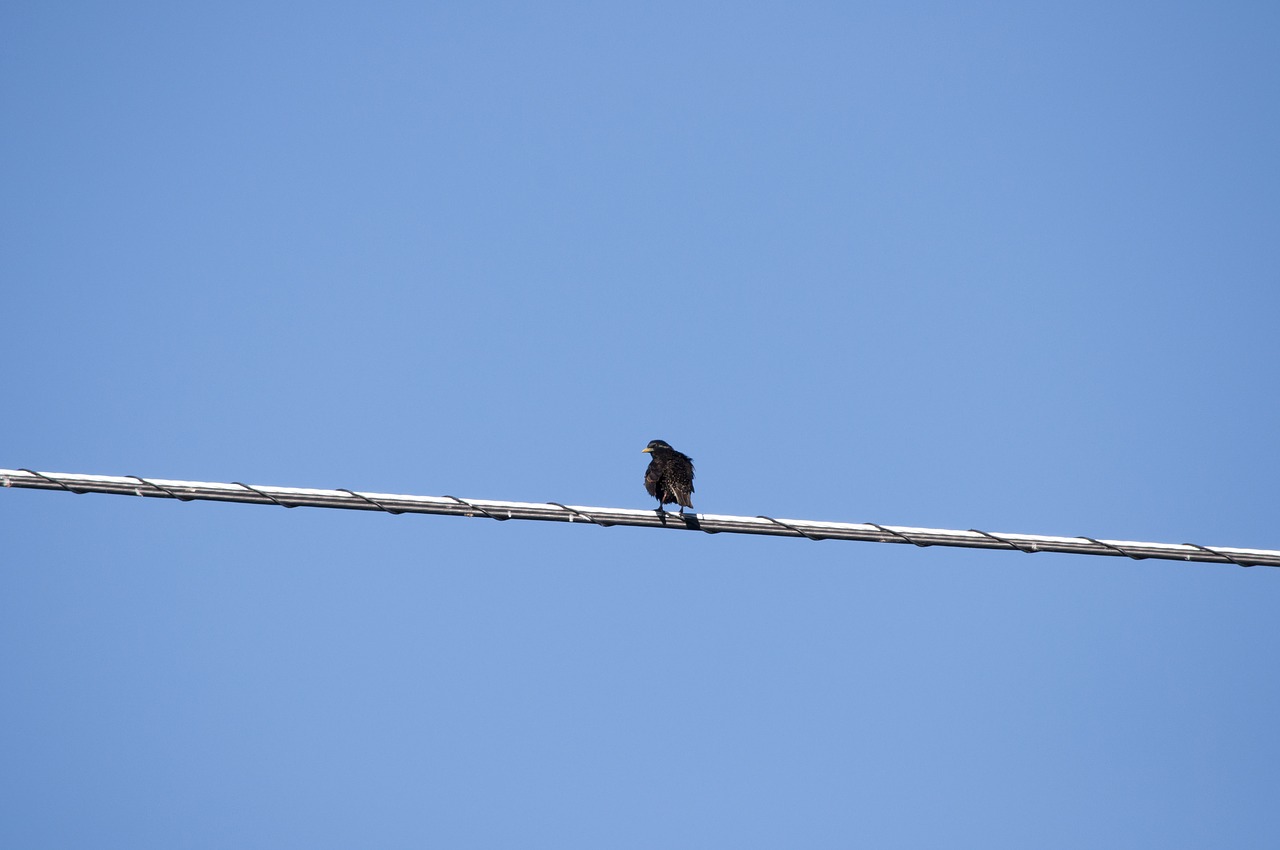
669, 478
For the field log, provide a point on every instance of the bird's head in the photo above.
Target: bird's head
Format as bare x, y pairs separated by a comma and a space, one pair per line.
656, 444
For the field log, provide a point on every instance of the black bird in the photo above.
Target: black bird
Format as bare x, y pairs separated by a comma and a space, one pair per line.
669, 478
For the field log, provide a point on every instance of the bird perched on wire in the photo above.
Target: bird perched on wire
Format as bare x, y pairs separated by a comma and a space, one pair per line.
669, 478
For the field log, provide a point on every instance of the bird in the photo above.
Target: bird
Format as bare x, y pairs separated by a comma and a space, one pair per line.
669, 478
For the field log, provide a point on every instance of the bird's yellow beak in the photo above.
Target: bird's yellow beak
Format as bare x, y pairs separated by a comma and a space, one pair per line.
642, 451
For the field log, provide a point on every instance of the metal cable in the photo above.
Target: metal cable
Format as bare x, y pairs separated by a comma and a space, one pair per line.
188, 491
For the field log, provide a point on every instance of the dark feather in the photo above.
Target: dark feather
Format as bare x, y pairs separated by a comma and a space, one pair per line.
669, 478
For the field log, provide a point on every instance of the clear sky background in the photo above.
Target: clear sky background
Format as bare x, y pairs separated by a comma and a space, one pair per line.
996, 265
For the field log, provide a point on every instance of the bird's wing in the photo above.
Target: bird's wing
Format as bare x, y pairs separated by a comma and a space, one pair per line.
651, 477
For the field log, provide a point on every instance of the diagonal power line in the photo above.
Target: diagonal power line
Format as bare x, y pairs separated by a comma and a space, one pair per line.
293, 497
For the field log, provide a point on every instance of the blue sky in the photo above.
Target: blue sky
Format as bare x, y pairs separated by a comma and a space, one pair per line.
956, 265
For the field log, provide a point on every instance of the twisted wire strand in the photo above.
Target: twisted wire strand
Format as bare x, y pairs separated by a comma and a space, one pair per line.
61, 484
168, 492
1225, 555
1113, 548
790, 527
899, 535
362, 497
575, 512
477, 508
1030, 549
267, 496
